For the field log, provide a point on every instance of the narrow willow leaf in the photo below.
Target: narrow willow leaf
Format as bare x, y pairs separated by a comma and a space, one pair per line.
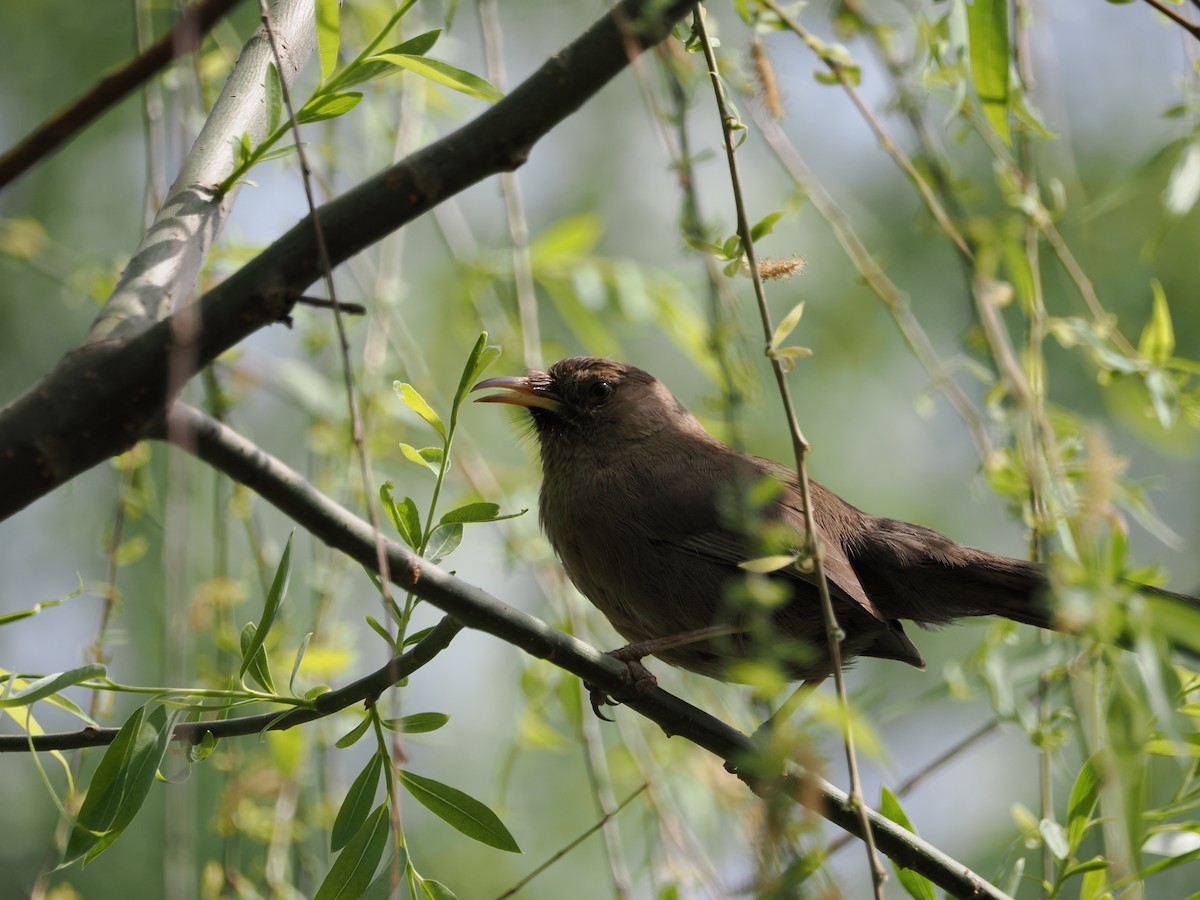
413, 400
417, 46
765, 225
37, 608
987, 26
275, 595
381, 887
429, 457
48, 684
296, 663
328, 106
1055, 838
350, 738
460, 810
417, 723
329, 36
1183, 187
351, 873
435, 890
381, 631
416, 636
403, 514
765, 565
445, 74
787, 325
274, 92
1084, 794
482, 356
121, 782
356, 808
472, 512
256, 665
917, 885
444, 541
1157, 343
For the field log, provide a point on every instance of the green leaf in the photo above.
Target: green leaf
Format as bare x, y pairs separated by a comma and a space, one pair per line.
472, 512
121, 782
1055, 838
417, 46
987, 26
296, 662
417, 723
416, 636
429, 457
381, 887
256, 666
787, 325
381, 631
444, 74
915, 884
329, 36
435, 890
275, 597
444, 541
328, 106
34, 610
404, 515
1183, 187
351, 737
1157, 343
1084, 794
413, 400
482, 356
765, 225
49, 684
367, 70
356, 807
765, 565
351, 873
459, 810
274, 98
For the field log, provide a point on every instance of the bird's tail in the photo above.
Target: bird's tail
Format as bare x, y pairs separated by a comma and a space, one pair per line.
912, 572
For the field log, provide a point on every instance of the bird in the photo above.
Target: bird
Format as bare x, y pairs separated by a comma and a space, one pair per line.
657, 522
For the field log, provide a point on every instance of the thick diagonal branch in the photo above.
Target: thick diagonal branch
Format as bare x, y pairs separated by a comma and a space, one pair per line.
101, 398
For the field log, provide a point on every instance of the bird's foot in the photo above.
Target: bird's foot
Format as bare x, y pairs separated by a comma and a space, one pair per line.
639, 679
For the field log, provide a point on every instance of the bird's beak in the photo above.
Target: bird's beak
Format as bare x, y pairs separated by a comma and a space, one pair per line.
532, 391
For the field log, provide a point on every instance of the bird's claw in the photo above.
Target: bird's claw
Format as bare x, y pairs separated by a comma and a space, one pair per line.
639, 679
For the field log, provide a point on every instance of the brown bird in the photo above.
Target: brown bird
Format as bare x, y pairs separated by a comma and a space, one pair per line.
652, 518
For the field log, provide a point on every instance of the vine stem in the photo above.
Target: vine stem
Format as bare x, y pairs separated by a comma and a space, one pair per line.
800, 447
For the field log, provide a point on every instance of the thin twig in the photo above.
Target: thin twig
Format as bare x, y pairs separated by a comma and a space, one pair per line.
514, 206
512, 891
1190, 27
833, 632
369, 686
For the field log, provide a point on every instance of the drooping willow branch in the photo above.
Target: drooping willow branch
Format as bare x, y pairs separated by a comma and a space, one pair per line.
365, 688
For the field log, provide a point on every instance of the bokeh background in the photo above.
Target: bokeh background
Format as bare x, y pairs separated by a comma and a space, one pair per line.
601, 194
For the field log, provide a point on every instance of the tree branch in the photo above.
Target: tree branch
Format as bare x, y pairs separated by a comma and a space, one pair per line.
327, 704
241, 460
101, 398
184, 38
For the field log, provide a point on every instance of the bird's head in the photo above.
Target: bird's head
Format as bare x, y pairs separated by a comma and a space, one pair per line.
593, 402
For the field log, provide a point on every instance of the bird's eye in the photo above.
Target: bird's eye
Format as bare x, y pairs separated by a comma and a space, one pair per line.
599, 391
